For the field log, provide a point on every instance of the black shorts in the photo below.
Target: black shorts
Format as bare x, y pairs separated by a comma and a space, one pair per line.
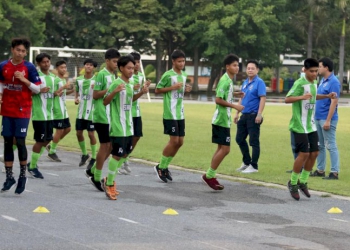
221, 135
306, 142
174, 127
137, 121
43, 130
82, 124
121, 146
61, 124
102, 132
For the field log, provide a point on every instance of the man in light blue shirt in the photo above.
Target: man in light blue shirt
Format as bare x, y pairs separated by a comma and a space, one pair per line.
249, 123
326, 117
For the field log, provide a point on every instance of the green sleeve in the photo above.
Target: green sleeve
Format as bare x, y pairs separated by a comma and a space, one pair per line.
221, 89
112, 87
296, 90
76, 85
100, 82
164, 81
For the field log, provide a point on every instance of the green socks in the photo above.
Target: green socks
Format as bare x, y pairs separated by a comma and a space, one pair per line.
97, 174
82, 146
93, 151
113, 165
304, 176
42, 150
170, 158
53, 148
210, 173
294, 178
93, 168
163, 162
14, 147
34, 160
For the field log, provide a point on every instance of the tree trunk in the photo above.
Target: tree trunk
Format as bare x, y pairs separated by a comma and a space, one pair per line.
215, 72
341, 54
158, 60
195, 77
309, 35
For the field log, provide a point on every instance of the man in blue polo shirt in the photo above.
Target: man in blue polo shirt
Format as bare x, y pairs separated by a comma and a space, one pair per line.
249, 123
326, 117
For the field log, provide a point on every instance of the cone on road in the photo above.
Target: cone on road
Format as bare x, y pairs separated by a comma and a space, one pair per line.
170, 211
334, 210
41, 209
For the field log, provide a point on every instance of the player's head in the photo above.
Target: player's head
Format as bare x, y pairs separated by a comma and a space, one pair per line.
178, 58
325, 65
61, 67
44, 61
231, 63
111, 58
311, 68
137, 58
252, 68
89, 65
126, 66
19, 48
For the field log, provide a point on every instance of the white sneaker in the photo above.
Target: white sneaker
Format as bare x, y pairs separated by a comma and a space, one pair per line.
3, 170
122, 171
2, 158
249, 170
126, 167
242, 167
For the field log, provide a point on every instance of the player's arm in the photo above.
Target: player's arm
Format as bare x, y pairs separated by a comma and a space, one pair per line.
35, 88
223, 103
112, 91
144, 90
331, 95
296, 93
164, 85
100, 89
291, 99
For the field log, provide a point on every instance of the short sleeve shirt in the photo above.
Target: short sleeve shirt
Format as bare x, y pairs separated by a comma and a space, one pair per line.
252, 92
101, 112
222, 115
173, 108
303, 111
43, 102
85, 88
327, 86
137, 79
120, 110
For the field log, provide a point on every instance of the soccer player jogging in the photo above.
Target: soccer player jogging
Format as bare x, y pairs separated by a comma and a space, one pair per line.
172, 86
60, 115
303, 97
222, 120
42, 114
100, 117
18, 80
84, 87
120, 96
137, 80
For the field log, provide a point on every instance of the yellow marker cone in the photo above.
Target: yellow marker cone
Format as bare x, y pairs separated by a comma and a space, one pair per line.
334, 210
41, 209
170, 211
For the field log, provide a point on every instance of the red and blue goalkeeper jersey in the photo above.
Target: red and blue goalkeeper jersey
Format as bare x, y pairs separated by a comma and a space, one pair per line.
17, 97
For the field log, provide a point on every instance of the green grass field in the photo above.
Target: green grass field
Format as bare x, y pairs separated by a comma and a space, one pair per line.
275, 159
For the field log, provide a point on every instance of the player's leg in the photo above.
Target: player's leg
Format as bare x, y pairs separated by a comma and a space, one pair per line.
8, 132
241, 136
80, 126
2, 157
222, 137
58, 125
321, 159
93, 144
66, 128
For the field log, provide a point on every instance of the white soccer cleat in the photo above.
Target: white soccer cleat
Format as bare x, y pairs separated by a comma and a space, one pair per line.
242, 167
250, 170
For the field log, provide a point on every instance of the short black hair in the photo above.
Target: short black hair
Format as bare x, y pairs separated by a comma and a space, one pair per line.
60, 62
327, 62
254, 62
230, 58
310, 63
112, 53
177, 54
20, 41
41, 57
89, 60
124, 60
136, 55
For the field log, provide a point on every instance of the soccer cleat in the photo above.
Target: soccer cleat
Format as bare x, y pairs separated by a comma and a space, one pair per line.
111, 191
293, 190
21, 185
48, 147
331, 176
318, 174
54, 157
304, 190
242, 167
103, 185
35, 173
250, 169
168, 174
8, 184
160, 173
122, 171
212, 182
91, 163
126, 167
96, 184
84, 159
88, 173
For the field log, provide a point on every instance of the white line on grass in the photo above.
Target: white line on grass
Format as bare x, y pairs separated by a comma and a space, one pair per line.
9, 218
127, 220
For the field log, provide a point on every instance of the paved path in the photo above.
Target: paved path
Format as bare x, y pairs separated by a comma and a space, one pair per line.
243, 216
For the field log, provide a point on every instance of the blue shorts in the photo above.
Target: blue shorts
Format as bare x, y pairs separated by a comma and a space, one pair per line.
14, 127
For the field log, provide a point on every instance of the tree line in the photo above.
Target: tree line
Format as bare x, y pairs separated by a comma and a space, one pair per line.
210, 29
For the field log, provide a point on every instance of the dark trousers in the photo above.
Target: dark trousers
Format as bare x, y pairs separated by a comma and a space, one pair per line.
246, 126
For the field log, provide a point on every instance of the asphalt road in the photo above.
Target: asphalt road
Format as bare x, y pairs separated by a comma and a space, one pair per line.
242, 216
